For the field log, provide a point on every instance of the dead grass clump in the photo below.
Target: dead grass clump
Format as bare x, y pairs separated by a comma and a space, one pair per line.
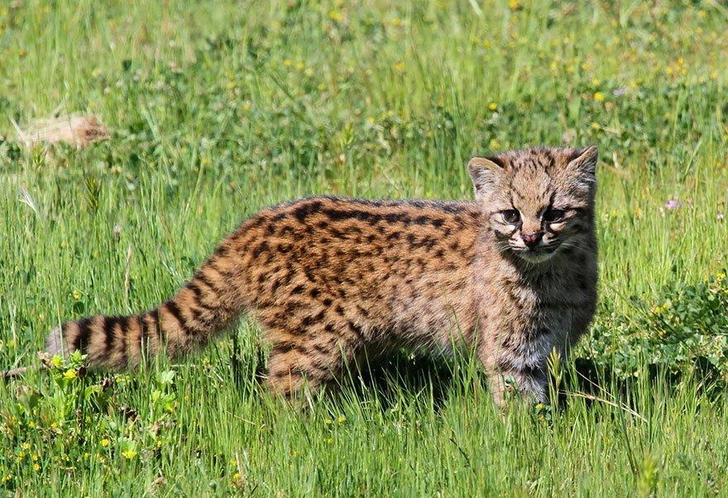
75, 129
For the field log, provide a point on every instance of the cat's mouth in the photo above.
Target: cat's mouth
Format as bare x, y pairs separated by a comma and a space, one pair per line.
539, 254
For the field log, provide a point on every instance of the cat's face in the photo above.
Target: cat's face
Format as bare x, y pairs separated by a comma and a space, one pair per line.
537, 201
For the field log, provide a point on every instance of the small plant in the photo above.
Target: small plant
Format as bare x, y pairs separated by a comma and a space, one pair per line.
686, 330
80, 418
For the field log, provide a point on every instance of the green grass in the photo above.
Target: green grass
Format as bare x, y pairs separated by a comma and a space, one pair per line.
217, 110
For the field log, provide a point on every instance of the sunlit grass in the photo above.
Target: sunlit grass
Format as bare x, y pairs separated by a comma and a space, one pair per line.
217, 110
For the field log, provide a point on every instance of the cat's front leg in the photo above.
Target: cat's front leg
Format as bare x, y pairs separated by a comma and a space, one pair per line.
516, 368
508, 382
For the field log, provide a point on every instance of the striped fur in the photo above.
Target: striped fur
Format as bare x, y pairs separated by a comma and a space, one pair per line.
332, 279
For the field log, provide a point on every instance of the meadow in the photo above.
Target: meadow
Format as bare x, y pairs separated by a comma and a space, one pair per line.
215, 110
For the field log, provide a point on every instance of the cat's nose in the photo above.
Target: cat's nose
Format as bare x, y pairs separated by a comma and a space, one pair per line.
531, 239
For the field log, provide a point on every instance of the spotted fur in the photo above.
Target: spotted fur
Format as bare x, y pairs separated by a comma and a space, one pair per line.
332, 280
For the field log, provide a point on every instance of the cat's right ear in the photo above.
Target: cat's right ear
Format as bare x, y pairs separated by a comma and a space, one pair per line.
484, 171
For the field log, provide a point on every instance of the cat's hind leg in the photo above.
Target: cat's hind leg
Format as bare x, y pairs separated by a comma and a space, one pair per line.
307, 362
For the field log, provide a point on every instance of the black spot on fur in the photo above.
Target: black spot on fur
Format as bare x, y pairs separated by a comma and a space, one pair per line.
84, 332
175, 311
260, 249
108, 326
356, 329
307, 209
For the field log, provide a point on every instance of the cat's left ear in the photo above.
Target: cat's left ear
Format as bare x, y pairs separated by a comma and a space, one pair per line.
484, 171
585, 160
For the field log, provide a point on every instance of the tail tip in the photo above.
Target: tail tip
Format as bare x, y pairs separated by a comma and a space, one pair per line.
54, 343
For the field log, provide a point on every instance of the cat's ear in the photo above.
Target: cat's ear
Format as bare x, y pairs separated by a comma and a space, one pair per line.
585, 160
484, 171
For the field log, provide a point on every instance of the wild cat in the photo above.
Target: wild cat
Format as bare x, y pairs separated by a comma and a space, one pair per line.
334, 280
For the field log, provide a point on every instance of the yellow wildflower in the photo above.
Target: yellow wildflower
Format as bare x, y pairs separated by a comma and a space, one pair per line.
514, 5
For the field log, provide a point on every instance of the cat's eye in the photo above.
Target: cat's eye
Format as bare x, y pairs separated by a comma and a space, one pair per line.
553, 215
511, 216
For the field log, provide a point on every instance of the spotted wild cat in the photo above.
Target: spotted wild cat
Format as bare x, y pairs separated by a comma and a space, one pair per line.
512, 274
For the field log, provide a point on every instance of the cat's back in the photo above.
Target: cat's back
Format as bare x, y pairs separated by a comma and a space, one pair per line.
349, 229
403, 261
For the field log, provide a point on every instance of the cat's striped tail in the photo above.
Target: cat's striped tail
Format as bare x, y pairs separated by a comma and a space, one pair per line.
200, 310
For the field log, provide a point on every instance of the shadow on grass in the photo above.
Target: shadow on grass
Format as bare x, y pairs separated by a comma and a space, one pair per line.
388, 379
408, 376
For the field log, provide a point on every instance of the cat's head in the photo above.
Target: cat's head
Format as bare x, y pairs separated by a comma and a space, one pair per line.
537, 201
